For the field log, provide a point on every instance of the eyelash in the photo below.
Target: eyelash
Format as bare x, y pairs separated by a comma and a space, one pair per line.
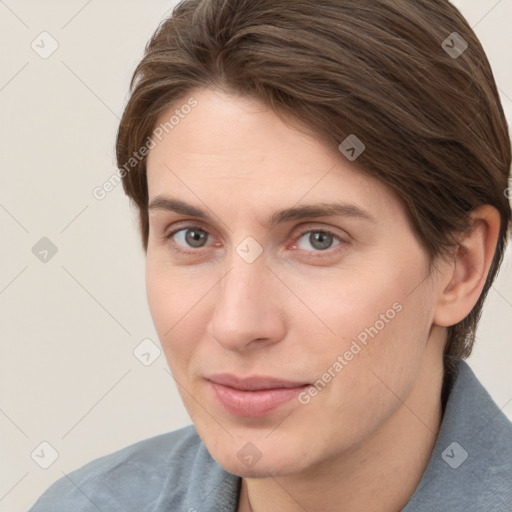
329, 251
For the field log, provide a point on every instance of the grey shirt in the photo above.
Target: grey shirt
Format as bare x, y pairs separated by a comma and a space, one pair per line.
470, 469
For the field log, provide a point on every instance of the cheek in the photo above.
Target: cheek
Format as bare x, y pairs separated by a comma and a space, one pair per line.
369, 367
175, 302
350, 303
392, 337
374, 316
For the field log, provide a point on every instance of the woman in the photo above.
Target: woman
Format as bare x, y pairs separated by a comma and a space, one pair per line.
322, 195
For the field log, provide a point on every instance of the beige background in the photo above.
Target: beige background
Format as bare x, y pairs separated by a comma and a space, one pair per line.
69, 326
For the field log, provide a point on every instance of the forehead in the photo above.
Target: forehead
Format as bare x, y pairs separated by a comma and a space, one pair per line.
237, 128
232, 148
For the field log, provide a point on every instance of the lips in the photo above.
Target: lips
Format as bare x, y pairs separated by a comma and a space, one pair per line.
253, 396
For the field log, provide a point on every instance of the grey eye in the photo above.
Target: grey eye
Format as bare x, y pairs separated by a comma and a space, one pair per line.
319, 240
193, 237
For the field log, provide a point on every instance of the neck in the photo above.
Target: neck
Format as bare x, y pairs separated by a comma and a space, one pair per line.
381, 473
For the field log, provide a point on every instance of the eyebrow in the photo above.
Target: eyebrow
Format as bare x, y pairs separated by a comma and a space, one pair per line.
295, 213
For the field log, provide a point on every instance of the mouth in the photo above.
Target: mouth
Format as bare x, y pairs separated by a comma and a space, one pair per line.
253, 396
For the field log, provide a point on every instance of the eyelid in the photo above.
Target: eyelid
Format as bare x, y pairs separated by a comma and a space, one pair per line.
180, 226
307, 228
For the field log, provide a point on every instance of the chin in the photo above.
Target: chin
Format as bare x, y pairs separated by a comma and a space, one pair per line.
275, 464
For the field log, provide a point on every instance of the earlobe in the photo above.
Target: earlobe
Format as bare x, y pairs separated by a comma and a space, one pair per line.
465, 279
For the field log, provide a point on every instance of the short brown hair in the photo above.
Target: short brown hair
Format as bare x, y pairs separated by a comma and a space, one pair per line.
431, 119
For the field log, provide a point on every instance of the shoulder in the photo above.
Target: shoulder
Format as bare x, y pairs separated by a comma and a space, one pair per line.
471, 466
139, 477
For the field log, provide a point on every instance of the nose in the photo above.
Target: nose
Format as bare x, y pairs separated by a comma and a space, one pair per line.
247, 312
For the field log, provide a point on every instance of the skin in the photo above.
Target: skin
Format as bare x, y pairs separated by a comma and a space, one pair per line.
365, 439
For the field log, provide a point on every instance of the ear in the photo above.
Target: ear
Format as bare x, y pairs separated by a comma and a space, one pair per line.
465, 277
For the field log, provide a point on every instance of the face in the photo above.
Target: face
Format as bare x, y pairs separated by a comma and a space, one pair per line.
285, 327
